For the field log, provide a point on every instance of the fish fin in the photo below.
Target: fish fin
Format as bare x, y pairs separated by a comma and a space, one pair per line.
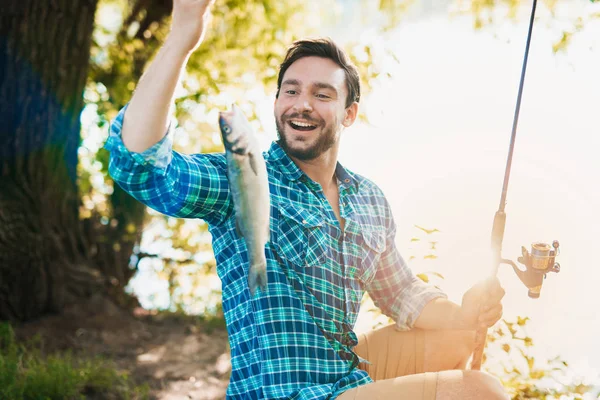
257, 277
253, 164
238, 227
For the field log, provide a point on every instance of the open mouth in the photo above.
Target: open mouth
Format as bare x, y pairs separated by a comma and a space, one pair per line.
302, 126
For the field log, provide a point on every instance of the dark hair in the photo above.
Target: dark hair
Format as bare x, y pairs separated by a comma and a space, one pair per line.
325, 48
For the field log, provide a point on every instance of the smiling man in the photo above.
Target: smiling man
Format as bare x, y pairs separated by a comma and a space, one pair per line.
312, 71
332, 237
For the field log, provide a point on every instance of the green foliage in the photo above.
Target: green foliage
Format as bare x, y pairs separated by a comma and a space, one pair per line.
510, 356
386, 14
207, 322
562, 19
26, 373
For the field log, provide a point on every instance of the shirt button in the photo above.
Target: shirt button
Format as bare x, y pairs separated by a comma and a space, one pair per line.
347, 180
304, 221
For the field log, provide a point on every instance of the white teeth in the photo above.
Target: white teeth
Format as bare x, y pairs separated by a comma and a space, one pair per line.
302, 124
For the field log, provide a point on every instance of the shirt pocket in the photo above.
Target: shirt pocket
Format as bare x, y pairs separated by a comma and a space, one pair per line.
374, 246
367, 245
299, 237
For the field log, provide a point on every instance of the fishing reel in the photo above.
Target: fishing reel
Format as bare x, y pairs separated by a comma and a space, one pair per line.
538, 263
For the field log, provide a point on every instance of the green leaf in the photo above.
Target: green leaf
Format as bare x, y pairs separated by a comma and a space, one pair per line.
427, 231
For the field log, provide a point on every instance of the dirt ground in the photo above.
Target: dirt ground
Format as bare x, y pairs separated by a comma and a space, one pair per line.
177, 356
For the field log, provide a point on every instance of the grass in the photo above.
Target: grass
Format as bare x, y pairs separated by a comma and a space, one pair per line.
26, 373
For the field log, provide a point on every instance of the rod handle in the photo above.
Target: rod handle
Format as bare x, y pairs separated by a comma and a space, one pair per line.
497, 239
480, 338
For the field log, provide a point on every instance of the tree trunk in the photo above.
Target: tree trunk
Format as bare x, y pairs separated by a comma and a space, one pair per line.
44, 58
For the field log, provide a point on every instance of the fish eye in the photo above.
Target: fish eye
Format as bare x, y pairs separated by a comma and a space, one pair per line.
227, 129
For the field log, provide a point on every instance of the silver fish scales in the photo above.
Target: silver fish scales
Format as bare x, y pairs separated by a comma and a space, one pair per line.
249, 185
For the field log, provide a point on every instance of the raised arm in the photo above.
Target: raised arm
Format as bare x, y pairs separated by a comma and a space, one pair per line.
142, 161
147, 116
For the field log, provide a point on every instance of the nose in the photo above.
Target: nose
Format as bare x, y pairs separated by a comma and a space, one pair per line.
303, 104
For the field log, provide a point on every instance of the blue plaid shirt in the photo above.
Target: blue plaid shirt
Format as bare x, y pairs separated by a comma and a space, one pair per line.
294, 341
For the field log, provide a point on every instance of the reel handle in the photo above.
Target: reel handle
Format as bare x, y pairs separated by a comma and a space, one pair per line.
538, 263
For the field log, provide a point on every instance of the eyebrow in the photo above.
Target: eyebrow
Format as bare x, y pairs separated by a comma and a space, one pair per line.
320, 85
323, 85
290, 82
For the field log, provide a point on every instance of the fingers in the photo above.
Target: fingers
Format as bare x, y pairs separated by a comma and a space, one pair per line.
489, 315
491, 307
482, 303
493, 293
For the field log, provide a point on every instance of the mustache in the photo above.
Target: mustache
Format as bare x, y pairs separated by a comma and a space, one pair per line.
300, 117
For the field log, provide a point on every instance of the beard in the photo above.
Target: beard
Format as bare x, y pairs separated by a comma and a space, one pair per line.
323, 142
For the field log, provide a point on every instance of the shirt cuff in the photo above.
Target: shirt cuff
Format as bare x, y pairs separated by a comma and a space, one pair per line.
158, 156
421, 295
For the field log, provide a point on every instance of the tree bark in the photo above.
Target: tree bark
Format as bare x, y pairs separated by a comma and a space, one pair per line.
44, 59
48, 257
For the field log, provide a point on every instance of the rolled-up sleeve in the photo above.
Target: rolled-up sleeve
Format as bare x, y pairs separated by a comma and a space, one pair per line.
175, 184
396, 290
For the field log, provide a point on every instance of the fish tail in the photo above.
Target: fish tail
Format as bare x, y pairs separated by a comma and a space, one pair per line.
257, 277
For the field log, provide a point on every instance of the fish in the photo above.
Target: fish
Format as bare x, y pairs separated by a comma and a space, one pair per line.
249, 185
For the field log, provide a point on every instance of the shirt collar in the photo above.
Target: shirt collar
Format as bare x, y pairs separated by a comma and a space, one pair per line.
285, 163
346, 179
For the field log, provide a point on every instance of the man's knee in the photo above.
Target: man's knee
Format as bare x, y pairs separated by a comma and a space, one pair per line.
486, 384
448, 349
469, 385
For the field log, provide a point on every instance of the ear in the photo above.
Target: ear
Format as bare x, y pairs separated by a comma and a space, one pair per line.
350, 114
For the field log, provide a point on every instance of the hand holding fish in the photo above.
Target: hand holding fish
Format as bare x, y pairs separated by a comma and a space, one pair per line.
190, 18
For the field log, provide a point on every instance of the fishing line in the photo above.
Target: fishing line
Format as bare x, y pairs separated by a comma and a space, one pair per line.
500, 217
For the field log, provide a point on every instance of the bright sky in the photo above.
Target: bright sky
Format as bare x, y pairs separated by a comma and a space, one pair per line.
439, 147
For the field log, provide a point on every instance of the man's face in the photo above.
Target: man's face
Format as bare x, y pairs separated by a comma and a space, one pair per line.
310, 110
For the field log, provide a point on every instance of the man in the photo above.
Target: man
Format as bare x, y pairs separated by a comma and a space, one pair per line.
332, 238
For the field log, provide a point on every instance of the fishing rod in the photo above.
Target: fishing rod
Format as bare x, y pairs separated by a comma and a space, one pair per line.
541, 259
